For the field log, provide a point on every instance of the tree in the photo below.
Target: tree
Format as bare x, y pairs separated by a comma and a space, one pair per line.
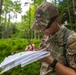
1, 3
74, 9
14, 7
67, 11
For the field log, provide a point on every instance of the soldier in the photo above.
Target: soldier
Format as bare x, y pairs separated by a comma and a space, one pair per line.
47, 21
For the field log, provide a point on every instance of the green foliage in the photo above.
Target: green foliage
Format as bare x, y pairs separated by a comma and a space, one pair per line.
12, 46
22, 29
1, 27
66, 11
12, 6
71, 26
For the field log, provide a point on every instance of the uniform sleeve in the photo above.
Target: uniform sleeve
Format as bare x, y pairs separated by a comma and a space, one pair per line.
71, 51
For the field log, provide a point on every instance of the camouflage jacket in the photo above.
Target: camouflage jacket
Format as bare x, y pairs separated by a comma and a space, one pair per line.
54, 44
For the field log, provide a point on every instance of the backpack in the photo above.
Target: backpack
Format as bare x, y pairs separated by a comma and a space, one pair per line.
66, 35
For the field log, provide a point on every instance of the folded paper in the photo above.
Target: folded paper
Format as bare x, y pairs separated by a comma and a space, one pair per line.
22, 58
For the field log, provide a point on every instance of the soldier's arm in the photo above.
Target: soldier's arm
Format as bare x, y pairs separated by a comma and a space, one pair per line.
63, 70
60, 68
71, 58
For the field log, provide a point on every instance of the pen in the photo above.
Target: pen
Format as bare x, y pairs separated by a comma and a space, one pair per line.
30, 43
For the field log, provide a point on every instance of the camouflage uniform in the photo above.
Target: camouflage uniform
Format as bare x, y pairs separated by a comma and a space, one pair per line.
54, 43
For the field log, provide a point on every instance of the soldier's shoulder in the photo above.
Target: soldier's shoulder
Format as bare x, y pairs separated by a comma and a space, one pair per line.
72, 43
72, 37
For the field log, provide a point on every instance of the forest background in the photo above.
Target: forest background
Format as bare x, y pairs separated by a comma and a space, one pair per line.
14, 36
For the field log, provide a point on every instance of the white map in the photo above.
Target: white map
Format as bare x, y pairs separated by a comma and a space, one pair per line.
22, 58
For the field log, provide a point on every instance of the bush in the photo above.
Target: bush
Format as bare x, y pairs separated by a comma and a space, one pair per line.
12, 46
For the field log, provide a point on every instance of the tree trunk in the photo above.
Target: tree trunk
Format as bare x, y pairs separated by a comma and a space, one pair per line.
69, 13
3, 30
55, 2
74, 9
1, 3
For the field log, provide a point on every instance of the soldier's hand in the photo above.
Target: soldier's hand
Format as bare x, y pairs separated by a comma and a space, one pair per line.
47, 59
30, 47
